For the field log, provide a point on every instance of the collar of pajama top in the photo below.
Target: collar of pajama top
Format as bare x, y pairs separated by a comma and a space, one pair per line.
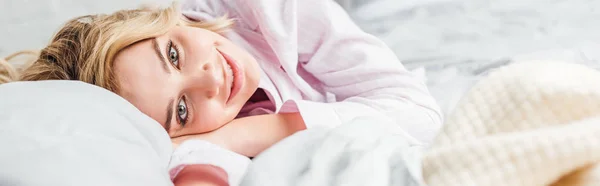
316, 61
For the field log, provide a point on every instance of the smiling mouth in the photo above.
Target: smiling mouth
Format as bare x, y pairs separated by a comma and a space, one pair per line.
234, 77
231, 76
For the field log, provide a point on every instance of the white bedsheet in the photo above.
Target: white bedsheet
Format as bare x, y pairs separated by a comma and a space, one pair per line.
433, 31
365, 151
457, 40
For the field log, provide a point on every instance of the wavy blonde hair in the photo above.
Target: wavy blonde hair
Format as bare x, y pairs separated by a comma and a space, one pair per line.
85, 47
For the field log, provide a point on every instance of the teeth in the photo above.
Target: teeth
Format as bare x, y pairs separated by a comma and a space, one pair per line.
230, 74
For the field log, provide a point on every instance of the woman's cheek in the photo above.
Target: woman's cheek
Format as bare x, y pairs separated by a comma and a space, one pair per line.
208, 121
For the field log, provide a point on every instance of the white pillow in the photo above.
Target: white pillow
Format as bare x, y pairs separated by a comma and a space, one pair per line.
72, 133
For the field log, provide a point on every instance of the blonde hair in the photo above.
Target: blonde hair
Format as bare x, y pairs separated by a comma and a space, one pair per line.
85, 47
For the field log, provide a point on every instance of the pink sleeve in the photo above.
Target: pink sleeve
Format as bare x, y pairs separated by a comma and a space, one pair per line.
365, 76
199, 152
363, 73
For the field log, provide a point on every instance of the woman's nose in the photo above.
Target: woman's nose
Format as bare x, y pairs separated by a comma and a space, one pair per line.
208, 79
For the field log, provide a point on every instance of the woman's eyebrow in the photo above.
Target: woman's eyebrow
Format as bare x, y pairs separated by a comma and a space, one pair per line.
169, 115
160, 56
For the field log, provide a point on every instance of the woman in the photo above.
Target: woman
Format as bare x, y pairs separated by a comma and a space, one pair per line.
240, 74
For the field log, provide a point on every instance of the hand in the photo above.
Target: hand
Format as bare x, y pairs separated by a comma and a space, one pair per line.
211, 137
251, 135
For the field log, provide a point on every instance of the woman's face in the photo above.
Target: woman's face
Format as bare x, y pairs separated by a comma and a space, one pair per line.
190, 80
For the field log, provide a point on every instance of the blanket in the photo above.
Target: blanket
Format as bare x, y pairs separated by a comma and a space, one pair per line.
529, 124
364, 151
525, 124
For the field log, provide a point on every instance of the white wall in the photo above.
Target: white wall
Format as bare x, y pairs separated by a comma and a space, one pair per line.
29, 24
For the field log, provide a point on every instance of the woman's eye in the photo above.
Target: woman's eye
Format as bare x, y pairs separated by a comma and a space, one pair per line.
173, 55
182, 112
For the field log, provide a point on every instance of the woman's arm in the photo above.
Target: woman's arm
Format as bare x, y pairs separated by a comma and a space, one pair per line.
366, 77
251, 135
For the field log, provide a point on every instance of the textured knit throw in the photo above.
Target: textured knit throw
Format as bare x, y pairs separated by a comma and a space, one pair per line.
526, 124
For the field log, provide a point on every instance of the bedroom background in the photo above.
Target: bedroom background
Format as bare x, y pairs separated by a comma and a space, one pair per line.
451, 42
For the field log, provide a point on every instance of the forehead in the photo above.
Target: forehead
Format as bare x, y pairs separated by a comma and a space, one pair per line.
141, 79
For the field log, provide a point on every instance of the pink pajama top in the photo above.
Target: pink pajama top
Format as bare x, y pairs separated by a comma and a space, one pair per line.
317, 62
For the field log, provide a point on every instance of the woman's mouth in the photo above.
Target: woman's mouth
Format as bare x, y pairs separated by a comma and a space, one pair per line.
234, 75
230, 78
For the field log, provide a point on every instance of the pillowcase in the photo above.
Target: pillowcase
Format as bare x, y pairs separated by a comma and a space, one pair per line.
72, 133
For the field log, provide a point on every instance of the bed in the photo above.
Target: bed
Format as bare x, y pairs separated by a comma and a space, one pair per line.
456, 41
452, 43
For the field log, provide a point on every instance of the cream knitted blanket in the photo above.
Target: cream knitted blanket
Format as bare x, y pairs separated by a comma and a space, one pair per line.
527, 124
